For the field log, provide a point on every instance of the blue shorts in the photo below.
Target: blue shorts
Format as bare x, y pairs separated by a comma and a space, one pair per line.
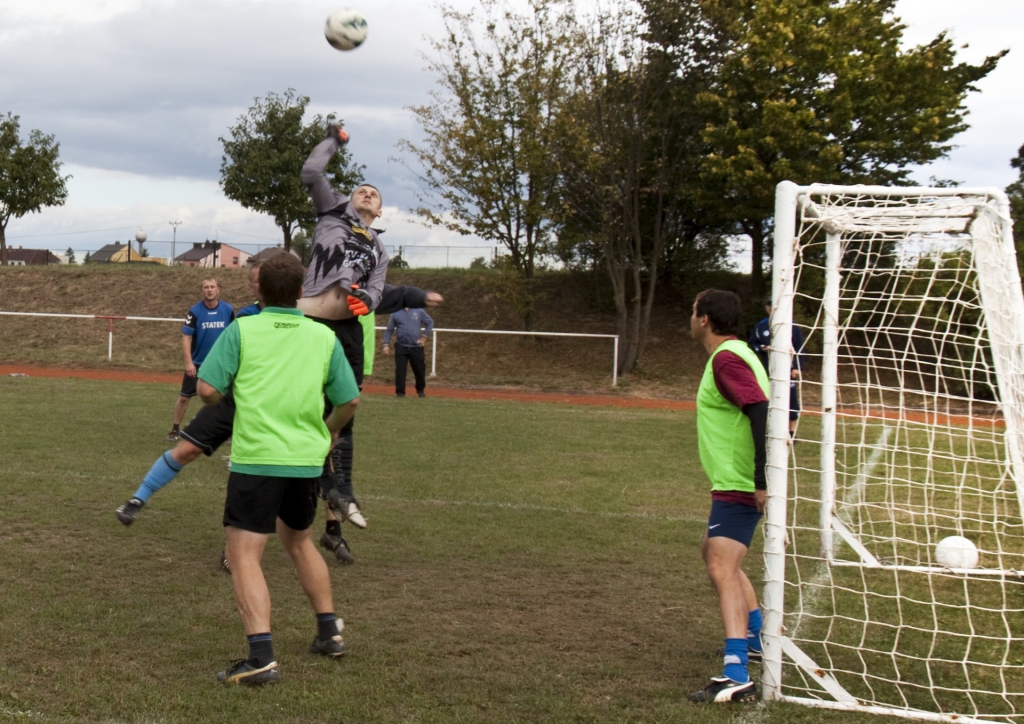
737, 521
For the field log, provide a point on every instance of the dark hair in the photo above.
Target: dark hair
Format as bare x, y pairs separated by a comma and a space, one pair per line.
723, 309
281, 280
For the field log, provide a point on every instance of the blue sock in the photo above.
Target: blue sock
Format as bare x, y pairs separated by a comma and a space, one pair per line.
162, 472
754, 623
736, 660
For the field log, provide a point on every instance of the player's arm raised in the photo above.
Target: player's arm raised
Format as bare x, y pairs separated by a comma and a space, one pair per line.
314, 177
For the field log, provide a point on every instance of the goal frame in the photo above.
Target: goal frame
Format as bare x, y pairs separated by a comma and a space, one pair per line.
1011, 392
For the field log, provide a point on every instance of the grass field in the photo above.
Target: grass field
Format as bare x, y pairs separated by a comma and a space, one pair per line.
524, 563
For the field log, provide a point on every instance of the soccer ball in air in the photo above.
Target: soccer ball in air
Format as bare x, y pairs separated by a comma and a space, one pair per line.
956, 552
345, 29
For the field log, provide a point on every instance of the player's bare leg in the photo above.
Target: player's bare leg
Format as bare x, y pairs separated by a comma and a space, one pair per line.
316, 582
244, 550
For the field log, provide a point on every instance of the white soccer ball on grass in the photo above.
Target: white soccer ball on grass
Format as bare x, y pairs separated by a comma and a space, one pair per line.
956, 552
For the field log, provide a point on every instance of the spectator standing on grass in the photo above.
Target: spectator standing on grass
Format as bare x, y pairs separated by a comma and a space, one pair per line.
732, 417
411, 329
204, 323
279, 365
760, 341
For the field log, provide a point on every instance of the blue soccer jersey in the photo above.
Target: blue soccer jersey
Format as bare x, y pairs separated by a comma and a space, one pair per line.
252, 309
204, 325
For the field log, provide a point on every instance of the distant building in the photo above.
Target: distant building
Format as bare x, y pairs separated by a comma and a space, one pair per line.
118, 253
213, 254
31, 257
267, 253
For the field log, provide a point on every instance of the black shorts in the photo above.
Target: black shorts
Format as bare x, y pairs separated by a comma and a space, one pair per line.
211, 427
794, 400
350, 333
737, 521
188, 384
255, 502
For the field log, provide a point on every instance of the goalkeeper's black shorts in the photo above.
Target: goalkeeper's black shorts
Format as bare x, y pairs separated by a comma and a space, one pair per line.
212, 426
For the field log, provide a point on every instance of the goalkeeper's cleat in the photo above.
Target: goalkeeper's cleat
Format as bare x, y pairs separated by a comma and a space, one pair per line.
345, 508
129, 510
249, 673
224, 562
339, 547
723, 690
172, 436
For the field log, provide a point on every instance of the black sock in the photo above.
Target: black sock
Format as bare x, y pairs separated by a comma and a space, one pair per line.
261, 649
333, 528
345, 447
174, 428
326, 625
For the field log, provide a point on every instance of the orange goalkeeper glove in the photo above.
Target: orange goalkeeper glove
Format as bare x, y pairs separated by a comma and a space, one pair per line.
358, 301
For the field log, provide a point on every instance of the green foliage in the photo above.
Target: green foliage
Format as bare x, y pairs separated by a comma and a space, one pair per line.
70, 253
491, 127
821, 91
29, 175
263, 156
1015, 192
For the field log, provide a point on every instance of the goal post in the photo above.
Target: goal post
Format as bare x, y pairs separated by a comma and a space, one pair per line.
911, 306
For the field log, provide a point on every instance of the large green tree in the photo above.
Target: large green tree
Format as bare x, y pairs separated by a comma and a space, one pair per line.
263, 157
823, 91
629, 155
29, 175
490, 128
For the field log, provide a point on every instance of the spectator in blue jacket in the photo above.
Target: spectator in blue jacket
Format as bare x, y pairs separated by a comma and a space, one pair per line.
412, 328
760, 341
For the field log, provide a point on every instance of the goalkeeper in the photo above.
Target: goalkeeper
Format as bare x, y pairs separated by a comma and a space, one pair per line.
732, 416
345, 279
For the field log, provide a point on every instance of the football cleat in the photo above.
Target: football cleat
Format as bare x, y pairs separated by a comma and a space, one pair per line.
243, 672
224, 562
338, 546
129, 510
345, 508
334, 647
723, 690
172, 436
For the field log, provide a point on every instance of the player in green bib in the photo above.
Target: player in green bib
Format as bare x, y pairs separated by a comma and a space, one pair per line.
279, 366
732, 416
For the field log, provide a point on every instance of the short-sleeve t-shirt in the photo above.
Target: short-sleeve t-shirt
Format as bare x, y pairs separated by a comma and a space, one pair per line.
204, 326
252, 309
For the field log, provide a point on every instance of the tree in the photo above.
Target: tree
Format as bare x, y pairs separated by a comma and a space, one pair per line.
29, 175
88, 258
489, 132
263, 156
821, 91
1015, 192
629, 156
70, 253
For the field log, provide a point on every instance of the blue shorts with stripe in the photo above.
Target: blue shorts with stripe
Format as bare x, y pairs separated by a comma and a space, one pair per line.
737, 521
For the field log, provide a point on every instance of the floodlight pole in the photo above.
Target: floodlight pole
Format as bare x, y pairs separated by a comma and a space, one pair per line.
174, 237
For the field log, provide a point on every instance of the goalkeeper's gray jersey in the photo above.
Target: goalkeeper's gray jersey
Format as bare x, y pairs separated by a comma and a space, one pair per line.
345, 250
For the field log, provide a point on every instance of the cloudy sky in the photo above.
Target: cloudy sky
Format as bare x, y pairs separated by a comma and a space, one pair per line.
139, 91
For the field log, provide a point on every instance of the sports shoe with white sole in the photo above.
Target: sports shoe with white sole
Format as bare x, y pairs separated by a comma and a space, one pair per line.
224, 565
723, 690
338, 546
129, 510
243, 672
345, 508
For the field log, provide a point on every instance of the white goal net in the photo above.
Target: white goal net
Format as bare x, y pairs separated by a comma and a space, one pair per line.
911, 306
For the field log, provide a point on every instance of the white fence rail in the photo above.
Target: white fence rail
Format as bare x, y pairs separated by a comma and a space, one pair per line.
433, 351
